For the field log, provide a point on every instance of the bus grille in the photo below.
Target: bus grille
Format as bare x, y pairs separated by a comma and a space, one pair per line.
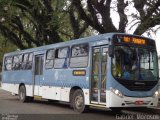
133, 85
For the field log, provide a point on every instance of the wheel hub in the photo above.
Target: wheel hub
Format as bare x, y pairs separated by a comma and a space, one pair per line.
79, 101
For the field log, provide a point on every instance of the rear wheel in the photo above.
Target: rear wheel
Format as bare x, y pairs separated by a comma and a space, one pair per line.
78, 102
22, 94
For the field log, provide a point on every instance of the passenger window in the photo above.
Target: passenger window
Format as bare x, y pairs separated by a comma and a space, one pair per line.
27, 61
25, 58
8, 63
17, 62
20, 58
8, 60
61, 58
79, 56
30, 59
62, 53
24, 62
49, 59
16, 59
80, 50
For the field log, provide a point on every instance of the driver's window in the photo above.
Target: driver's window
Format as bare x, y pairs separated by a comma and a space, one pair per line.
144, 59
116, 62
124, 62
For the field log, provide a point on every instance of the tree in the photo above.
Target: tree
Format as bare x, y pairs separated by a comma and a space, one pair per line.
5, 46
97, 14
77, 25
30, 23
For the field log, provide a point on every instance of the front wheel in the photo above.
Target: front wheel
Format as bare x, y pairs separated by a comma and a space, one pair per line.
78, 101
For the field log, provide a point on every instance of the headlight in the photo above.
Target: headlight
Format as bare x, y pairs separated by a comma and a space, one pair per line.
117, 92
156, 94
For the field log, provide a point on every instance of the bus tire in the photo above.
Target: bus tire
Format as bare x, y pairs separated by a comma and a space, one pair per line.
78, 102
22, 94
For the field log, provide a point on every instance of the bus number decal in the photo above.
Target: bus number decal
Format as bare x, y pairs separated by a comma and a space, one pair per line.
79, 72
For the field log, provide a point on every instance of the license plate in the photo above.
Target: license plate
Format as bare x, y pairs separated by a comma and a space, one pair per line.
139, 102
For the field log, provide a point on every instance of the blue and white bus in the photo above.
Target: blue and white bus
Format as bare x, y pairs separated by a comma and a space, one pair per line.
113, 70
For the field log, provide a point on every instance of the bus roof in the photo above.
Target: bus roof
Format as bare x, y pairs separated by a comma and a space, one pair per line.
105, 36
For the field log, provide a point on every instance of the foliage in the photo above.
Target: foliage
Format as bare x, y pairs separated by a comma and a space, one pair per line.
30, 23
97, 14
5, 46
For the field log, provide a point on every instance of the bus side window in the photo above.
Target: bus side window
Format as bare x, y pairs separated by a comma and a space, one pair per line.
17, 62
79, 57
29, 62
25, 58
49, 59
20, 61
8, 63
61, 57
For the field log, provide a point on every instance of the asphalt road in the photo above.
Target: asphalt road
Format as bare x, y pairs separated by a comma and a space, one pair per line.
12, 109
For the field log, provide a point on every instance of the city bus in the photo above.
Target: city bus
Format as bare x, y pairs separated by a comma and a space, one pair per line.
112, 70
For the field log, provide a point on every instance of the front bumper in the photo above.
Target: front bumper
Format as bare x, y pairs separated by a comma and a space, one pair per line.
112, 100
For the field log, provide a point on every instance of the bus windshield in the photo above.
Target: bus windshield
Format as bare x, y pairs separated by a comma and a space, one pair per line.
134, 63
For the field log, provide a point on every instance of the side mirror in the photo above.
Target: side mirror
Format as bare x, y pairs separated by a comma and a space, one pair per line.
111, 51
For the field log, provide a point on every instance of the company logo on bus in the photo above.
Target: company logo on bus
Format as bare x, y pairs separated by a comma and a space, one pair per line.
139, 83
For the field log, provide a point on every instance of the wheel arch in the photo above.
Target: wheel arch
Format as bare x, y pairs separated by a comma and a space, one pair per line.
73, 89
21, 84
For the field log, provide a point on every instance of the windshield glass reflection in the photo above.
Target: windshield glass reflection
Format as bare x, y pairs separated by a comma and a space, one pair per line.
131, 63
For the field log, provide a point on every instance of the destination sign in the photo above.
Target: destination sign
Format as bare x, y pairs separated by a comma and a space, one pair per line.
135, 40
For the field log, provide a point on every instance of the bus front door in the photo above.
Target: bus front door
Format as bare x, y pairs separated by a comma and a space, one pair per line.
98, 74
38, 75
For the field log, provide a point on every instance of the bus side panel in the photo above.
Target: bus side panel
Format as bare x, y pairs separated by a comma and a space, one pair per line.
58, 83
13, 88
56, 93
12, 79
29, 90
86, 96
65, 93
49, 92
